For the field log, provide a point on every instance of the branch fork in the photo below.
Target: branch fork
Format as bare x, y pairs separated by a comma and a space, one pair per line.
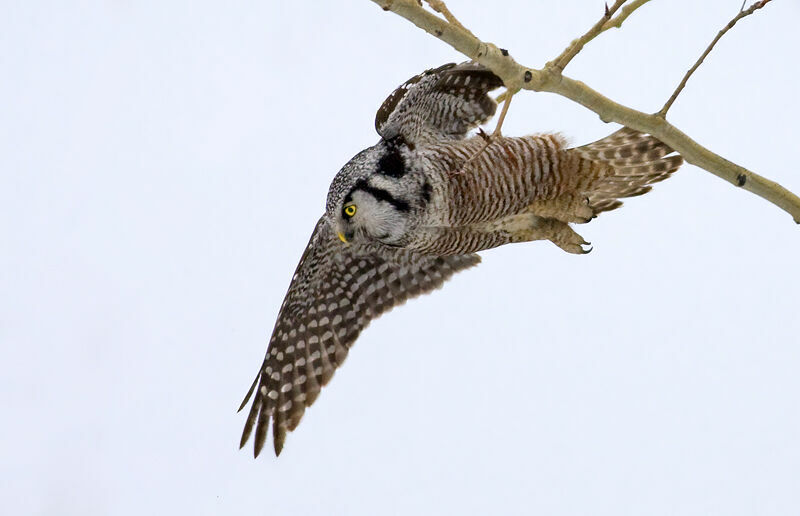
551, 78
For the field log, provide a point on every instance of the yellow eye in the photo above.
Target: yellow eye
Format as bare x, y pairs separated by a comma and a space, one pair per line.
350, 210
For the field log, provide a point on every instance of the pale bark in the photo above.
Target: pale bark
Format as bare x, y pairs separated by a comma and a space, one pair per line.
551, 79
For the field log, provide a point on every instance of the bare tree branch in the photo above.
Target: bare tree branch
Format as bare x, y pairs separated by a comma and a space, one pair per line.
440, 7
516, 77
608, 21
742, 13
577, 45
617, 21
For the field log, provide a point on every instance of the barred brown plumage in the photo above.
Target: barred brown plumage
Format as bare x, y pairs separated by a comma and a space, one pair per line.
406, 214
322, 316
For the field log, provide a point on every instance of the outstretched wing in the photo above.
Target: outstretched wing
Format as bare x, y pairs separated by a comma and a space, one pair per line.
439, 104
335, 292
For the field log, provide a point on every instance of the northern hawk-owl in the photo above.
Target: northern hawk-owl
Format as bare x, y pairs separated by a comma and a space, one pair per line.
407, 213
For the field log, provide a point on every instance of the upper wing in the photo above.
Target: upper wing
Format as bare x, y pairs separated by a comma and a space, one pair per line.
439, 104
335, 292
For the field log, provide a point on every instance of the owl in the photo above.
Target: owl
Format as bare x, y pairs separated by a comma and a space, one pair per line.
406, 214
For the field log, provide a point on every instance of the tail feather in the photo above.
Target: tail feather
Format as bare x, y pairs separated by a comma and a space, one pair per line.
630, 163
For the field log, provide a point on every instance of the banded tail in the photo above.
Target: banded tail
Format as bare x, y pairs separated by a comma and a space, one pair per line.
628, 163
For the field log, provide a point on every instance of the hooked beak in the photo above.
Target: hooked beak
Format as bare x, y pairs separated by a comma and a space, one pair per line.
342, 237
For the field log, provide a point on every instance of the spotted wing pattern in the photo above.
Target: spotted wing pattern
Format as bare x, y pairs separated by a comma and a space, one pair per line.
335, 292
442, 103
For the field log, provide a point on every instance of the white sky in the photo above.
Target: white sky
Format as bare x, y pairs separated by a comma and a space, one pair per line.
162, 165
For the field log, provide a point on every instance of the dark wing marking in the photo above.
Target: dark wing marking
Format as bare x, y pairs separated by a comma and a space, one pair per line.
443, 103
335, 292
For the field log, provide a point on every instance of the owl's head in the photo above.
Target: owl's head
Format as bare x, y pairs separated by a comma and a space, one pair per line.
373, 196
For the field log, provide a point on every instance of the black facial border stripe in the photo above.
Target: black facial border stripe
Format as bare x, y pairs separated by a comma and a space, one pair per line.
379, 193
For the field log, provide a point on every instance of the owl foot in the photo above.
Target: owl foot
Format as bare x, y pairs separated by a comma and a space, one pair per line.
575, 248
567, 239
575, 244
566, 208
526, 228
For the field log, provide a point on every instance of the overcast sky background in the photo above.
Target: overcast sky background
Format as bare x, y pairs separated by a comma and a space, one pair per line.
162, 165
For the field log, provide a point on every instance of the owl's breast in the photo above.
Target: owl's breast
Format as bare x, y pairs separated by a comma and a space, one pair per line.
432, 173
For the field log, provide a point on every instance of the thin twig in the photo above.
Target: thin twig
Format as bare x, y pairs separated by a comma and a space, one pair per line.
503, 112
490, 138
440, 7
516, 76
742, 14
608, 21
623, 15
502, 97
561, 62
